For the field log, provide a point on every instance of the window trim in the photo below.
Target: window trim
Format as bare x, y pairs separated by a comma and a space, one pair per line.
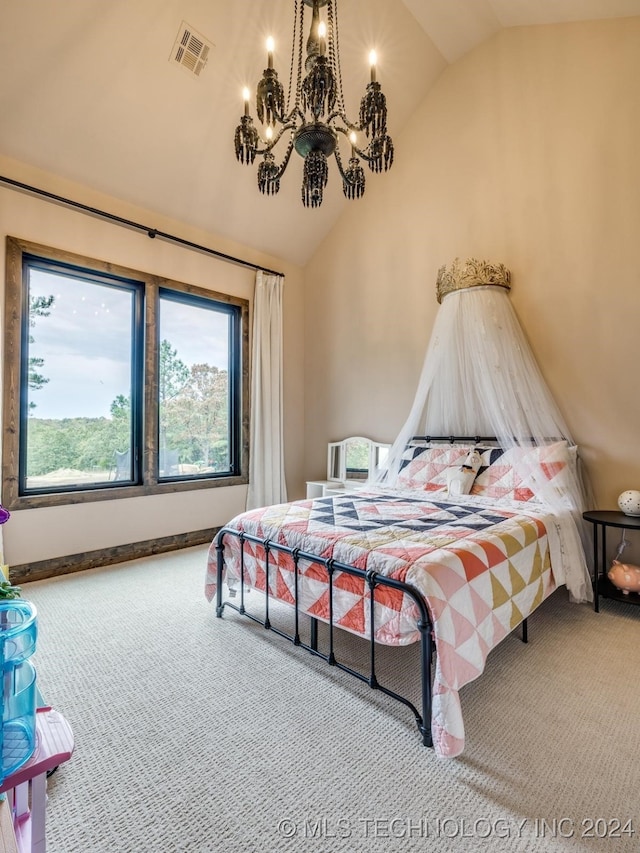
13, 331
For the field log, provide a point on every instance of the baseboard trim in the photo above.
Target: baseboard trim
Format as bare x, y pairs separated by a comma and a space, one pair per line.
107, 556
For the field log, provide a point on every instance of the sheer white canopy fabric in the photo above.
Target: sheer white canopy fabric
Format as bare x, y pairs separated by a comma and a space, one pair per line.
480, 378
266, 466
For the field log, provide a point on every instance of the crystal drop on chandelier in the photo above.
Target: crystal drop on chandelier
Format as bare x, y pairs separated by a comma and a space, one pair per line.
354, 180
270, 98
382, 154
268, 175
373, 111
316, 175
319, 89
246, 140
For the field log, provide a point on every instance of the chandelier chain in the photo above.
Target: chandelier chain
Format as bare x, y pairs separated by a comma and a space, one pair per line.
300, 54
298, 25
293, 59
334, 49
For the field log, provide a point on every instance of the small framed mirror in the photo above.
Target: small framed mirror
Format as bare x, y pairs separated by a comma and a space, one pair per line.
334, 461
353, 459
357, 458
380, 456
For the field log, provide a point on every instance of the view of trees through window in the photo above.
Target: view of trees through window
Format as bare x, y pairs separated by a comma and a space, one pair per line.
193, 394
357, 459
85, 382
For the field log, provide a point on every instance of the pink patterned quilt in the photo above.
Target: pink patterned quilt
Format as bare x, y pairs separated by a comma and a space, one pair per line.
482, 569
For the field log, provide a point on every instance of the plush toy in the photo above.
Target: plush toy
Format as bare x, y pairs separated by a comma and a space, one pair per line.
460, 479
625, 576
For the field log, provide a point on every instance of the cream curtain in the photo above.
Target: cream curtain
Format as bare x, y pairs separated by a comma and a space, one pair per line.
266, 467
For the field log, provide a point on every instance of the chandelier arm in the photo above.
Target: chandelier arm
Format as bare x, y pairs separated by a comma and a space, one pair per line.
350, 125
336, 154
363, 155
282, 118
345, 131
269, 146
339, 160
288, 118
285, 162
296, 113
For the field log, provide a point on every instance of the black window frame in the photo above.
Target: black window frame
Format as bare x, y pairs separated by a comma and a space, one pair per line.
145, 365
235, 371
136, 289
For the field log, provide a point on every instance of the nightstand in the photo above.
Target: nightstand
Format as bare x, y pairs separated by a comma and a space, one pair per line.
324, 488
602, 586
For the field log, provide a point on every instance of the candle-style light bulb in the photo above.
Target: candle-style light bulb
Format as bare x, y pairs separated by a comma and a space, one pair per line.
373, 59
270, 47
353, 139
269, 132
322, 37
246, 94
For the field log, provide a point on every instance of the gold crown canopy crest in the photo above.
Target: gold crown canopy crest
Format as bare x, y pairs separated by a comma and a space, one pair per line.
470, 273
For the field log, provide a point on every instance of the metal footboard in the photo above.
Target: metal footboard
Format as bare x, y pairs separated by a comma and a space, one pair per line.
372, 579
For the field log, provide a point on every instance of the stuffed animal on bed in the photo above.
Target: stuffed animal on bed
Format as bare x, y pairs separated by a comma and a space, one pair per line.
460, 479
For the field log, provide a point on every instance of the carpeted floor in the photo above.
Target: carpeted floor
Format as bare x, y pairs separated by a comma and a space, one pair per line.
200, 734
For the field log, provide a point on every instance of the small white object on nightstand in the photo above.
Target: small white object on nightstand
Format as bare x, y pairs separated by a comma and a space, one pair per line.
629, 502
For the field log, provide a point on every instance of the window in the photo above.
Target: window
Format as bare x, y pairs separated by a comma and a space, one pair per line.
198, 361
117, 383
81, 378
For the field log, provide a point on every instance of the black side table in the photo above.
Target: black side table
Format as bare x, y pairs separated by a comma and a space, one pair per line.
602, 586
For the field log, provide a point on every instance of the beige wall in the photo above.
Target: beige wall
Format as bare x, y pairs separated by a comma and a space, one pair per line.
524, 152
38, 534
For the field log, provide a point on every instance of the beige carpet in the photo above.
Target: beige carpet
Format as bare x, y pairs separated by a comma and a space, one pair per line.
202, 734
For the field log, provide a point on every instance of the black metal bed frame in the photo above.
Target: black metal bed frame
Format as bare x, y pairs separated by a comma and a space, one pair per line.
372, 579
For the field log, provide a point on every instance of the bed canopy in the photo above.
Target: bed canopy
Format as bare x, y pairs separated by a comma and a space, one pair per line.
480, 378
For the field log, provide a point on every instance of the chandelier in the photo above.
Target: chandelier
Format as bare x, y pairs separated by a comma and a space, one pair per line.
314, 113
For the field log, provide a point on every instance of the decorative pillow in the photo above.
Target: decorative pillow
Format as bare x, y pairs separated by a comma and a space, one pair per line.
460, 479
505, 472
488, 456
425, 467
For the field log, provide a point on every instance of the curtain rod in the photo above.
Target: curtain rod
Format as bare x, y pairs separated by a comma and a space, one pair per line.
137, 226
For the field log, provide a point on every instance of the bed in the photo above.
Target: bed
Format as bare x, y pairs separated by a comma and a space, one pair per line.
454, 573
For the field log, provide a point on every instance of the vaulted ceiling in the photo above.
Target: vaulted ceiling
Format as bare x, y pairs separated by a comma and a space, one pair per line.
89, 91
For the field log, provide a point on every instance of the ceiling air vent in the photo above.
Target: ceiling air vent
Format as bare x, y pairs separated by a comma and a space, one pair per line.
190, 50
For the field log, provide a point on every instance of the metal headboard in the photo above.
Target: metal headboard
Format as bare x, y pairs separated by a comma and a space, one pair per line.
452, 439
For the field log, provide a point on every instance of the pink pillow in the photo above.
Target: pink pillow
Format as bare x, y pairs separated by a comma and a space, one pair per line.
505, 475
425, 467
